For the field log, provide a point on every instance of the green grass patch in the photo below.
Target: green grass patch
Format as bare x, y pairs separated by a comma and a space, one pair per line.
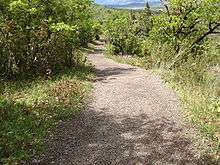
131, 60
201, 102
29, 109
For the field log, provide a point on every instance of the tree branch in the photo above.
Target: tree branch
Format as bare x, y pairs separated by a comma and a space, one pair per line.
215, 32
211, 31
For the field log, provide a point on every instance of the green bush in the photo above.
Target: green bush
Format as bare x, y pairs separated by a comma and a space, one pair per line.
110, 49
37, 36
127, 29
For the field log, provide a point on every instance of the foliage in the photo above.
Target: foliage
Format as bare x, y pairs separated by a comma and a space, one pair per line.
125, 30
38, 36
184, 26
178, 36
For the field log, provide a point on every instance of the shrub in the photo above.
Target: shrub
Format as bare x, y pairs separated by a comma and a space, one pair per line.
127, 29
37, 36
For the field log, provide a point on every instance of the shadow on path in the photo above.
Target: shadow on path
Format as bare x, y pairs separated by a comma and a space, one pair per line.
102, 74
97, 138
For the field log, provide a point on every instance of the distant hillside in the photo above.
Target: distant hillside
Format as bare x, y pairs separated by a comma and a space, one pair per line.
134, 5
122, 2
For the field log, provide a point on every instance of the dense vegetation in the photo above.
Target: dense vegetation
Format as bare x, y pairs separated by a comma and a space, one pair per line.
182, 41
43, 74
40, 36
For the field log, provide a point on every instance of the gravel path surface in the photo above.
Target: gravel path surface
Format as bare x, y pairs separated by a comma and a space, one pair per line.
131, 119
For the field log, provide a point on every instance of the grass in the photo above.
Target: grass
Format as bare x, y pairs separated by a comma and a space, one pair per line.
201, 100
202, 106
131, 60
30, 109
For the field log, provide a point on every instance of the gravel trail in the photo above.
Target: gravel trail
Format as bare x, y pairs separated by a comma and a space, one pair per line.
131, 118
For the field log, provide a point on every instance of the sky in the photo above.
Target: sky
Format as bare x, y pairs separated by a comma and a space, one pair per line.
120, 2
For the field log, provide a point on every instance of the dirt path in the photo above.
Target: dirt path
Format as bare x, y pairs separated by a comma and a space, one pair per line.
131, 119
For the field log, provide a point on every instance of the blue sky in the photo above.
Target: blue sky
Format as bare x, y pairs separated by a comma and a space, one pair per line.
121, 1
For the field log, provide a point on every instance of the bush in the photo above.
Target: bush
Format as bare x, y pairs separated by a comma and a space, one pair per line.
110, 49
37, 36
127, 29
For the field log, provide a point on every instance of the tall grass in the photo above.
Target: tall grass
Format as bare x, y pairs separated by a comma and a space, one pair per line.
201, 105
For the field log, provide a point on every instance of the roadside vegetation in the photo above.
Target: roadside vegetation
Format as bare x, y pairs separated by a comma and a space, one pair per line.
181, 43
31, 108
44, 76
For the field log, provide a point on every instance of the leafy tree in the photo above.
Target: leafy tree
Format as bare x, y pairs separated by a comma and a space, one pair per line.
144, 20
185, 25
126, 29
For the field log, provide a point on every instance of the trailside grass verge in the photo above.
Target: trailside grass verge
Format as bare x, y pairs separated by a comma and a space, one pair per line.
201, 101
29, 109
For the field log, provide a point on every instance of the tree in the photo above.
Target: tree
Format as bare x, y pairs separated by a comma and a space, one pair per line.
186, 23
144, 21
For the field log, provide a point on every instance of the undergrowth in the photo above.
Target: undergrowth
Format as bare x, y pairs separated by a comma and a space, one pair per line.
29, 109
